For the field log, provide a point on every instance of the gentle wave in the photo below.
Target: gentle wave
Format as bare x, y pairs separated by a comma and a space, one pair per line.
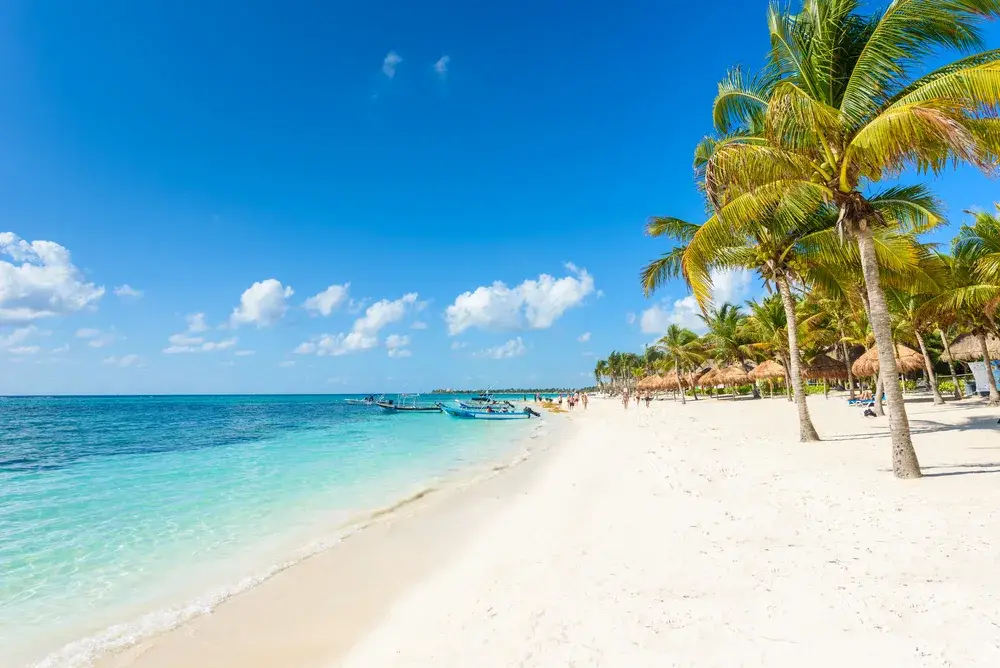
82, 653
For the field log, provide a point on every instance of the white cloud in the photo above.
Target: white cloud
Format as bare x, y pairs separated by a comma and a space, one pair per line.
192, 341
389, 64
441, 66
61, 349
24, 350
123, 361
95, 337
728, 286
364, 332
127, 290
286, 364
535, 304
245, 353
630, 318
41, 281
20, 335
419, 325
513, 348
458, 345
263, 303
327, 301
397, 345
210, 346
583, 338
196, 322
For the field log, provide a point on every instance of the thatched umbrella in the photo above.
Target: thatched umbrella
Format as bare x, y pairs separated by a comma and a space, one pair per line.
824, 366
670, 380
709, 378
733, 375
767, 370
907, 360
649, 383
966, 349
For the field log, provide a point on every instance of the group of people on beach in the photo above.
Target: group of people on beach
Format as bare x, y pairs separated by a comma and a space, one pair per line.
574, 398
626, 397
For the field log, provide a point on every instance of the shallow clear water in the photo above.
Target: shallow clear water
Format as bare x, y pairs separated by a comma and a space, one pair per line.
114, 507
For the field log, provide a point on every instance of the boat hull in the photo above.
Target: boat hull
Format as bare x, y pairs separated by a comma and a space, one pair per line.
392, 408
480, 414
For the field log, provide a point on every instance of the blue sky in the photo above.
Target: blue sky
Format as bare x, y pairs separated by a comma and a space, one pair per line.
339, 189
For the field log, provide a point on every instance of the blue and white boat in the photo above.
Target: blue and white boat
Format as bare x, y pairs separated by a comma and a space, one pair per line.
488, 413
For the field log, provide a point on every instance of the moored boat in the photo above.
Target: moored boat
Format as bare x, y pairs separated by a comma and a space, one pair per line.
407, 404
489, 413
370, 400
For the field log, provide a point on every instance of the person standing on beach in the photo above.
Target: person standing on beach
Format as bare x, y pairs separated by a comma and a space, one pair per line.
625, 399
583, 397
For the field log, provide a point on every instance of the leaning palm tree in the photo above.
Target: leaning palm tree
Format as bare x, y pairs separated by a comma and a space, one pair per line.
839, 110
682, 347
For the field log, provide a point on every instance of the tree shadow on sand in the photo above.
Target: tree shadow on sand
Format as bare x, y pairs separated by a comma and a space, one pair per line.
921, 426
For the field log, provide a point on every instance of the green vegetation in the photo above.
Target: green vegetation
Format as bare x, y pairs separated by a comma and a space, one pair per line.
791, 172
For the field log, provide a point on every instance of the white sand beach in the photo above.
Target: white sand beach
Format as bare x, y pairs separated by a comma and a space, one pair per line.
698, 535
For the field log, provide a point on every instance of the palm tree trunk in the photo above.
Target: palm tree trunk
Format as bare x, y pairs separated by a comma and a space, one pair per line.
807, 432
951, 364
931, 378
680, 381
879, 391
847, 363
904, 458
990, 378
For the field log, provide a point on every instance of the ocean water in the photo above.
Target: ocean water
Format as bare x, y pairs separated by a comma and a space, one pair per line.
123, 516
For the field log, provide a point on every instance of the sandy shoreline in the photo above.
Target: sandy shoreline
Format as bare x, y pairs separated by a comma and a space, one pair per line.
285, 620
672, 536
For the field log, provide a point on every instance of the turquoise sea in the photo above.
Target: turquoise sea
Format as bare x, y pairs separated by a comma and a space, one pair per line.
123, 516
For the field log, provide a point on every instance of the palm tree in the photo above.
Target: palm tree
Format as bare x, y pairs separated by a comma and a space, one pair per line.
839, 110
767, 327
908, 320
972, 294
682, 347
600, 373
779, 246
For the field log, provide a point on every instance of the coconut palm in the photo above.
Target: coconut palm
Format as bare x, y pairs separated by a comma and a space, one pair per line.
839, 110
966, 301
782, 248
682, 347
907, 323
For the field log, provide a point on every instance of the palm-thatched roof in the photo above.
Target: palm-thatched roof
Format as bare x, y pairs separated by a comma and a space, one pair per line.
767, 369
966, 349
824, 366
692, 378
907, 360
650, 383
709, 378
733, 375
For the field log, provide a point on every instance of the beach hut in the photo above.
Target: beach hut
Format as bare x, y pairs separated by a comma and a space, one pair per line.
825, 368
650, 383
907, 361
733, 375
768, 370
966, 348
708, 379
